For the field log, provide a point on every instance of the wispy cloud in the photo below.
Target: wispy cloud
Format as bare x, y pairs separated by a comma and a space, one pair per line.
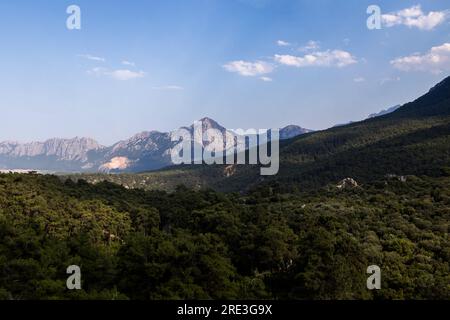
120, 74
359, 79
414, 17
436, 60
168, 87
128, 63
310, 46
249, 69
266, 79
91, 57
329, 58
282, 43
125, 74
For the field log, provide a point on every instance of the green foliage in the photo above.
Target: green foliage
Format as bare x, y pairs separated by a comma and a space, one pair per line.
136, 244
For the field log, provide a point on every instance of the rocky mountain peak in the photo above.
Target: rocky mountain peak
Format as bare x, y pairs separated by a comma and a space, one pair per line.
209, 123
292, 131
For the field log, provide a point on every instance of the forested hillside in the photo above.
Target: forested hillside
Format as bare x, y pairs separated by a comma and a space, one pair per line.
414, 139
135, 244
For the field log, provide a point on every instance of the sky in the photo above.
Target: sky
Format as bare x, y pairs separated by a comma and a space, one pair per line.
157, 65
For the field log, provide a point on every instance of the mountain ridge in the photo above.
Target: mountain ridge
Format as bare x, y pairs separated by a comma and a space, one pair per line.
146, 150
412, 140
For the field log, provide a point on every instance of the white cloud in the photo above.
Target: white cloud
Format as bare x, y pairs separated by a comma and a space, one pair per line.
414, 17
121, 74
359, 79
282, 43
128, 63
249, 69
169, 87
436, 60
310, 46
329, 58
125, 74
91, 57
334, 58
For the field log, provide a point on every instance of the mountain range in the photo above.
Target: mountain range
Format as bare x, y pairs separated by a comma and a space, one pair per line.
383, 112
150, 150
414, 139
144, 151
373, 115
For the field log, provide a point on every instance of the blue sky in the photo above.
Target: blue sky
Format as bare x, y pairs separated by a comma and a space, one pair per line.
157, 65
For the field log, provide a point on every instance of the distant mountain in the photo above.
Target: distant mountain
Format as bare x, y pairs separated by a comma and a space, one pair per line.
144, 151
383, 112
412, 140
372, 115
75, 149
292, 131
150, 150
53, 154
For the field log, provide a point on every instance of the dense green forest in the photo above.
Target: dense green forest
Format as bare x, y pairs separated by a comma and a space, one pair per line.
136, 244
